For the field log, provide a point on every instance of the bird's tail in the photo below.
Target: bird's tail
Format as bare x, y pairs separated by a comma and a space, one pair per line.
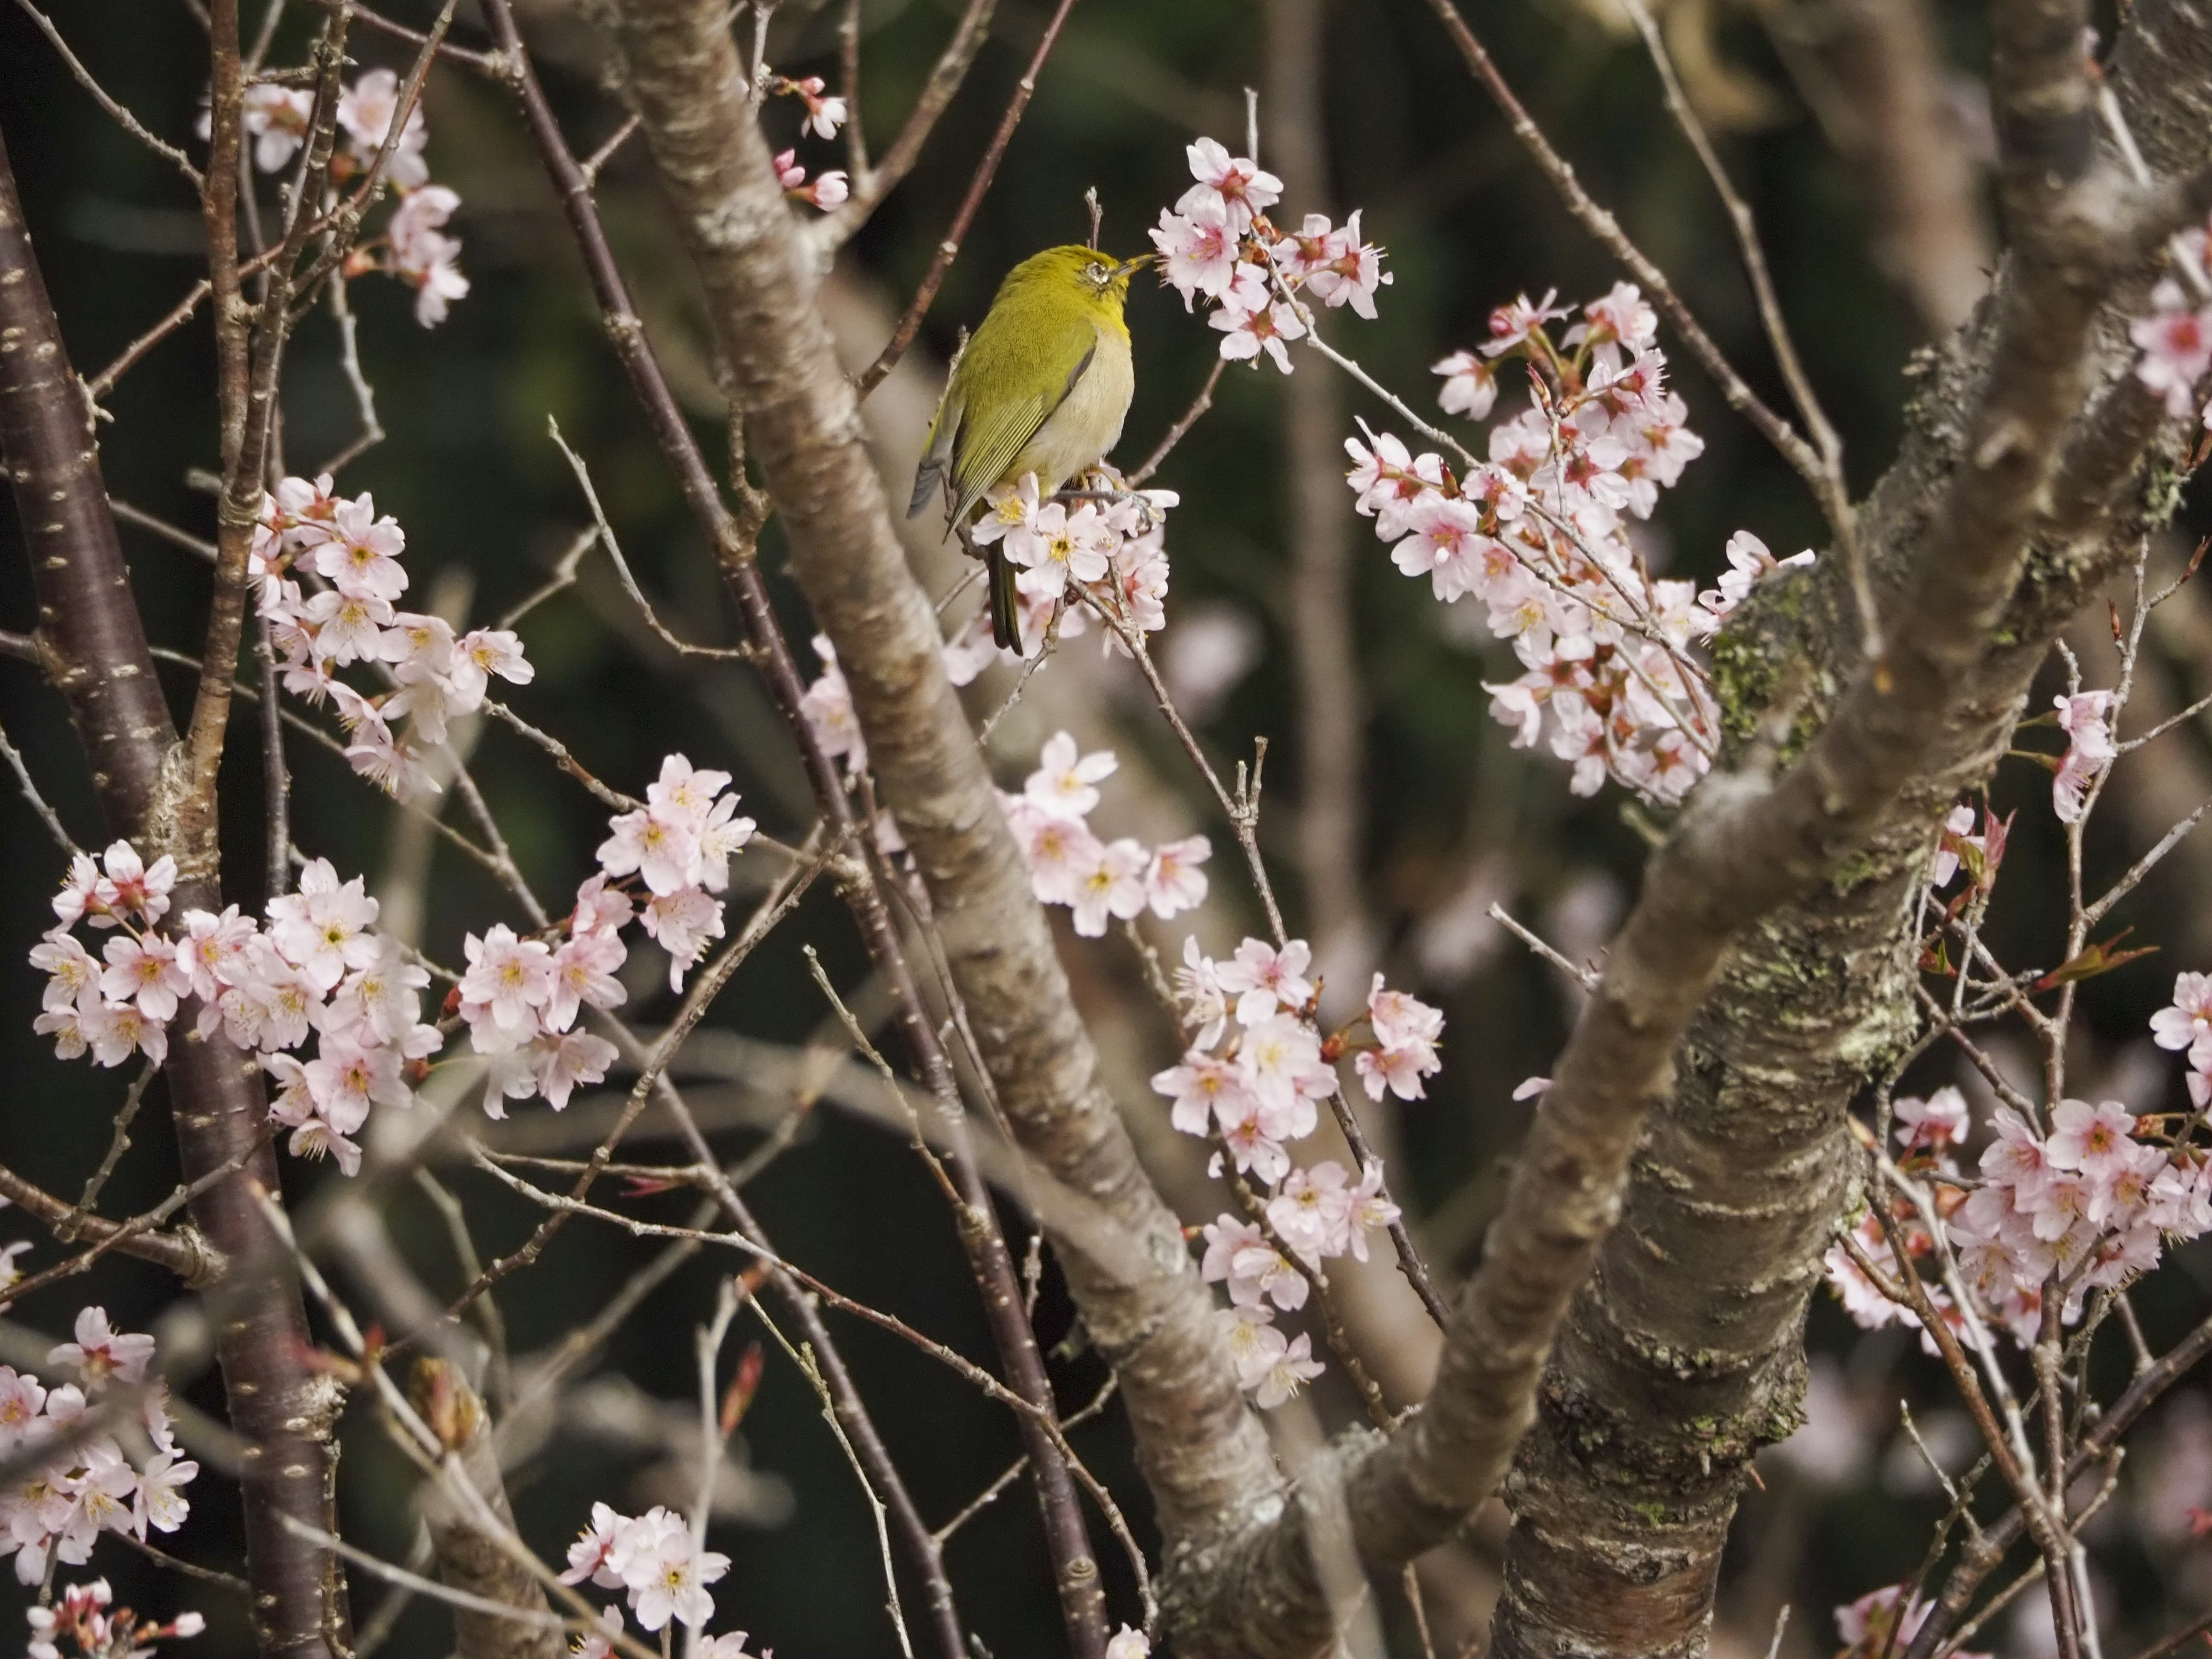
1005, 603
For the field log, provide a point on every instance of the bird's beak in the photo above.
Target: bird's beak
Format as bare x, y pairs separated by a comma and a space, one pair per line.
1130, 267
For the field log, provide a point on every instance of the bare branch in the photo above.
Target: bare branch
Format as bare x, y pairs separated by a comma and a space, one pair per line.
1203, 1455
121, 116
102, 666
986, 169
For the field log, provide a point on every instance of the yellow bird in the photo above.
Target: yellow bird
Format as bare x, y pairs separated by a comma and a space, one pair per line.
1043, 387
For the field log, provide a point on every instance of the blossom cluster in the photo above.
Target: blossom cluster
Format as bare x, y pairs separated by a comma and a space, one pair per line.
82, 1619
824, 115
55, 1511
1251, 1081
1539, 533
1096, 880
2089, 1194
521, 997
663, 1575
434, 675
314, 966
414, 246
1113, 553
1217, 242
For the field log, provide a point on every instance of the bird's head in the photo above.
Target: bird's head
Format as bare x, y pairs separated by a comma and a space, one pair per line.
1084, 273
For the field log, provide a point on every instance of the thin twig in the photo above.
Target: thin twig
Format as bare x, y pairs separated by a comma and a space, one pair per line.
605, 152
415, 1582
833, 230
69, 1225
1190, 418
1585, 977
122, 117
47, 816
682, 647
1601, 224
804, 1358
1833, 492
887, 360
563, 577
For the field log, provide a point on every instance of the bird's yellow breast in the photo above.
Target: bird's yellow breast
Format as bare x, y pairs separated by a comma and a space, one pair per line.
1087, 424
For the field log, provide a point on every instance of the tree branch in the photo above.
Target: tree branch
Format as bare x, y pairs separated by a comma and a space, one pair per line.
1203, 1453
104, 670
1939, 700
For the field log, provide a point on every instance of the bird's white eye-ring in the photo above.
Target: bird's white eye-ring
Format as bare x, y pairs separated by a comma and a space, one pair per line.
1099, 275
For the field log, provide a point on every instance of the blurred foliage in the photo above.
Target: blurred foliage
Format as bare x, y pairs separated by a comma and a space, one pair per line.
488, 506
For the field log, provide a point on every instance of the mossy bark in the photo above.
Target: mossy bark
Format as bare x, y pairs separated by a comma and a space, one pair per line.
1684, 1354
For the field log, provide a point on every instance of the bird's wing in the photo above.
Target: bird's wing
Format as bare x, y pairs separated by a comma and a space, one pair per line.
936, 450
984, 443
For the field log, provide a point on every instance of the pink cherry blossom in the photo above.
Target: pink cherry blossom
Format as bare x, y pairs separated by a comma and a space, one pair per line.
101, 1352
1253, 321
145, 970
1111, 885
1198, 251
1064, 786
570, 1059
1312, 1212
2089, 749
2097, 1141
1470, 386
1173, 881
1263, 978
509, 980
1204, 1089
1935, 1123
1233, 183
683, 923
2176, 340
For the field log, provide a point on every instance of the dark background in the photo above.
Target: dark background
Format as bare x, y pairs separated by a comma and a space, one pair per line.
1449, 810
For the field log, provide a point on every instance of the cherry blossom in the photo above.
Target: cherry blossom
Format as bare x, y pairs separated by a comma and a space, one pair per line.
1281, 1368
1334, 265
1198, 251
1470, 386
652, 1560
824, 115
1064, 786
1311, 1211
423, 256
1932, 1124
277, 118
1234, 183
828, 706
2185, 1024
1113, 886
1173, 881
100, 1352
367, 110
1255, 1097
1098, 880
2089, 749
82, 1618
2176, 340
1254, 320
1748, 561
